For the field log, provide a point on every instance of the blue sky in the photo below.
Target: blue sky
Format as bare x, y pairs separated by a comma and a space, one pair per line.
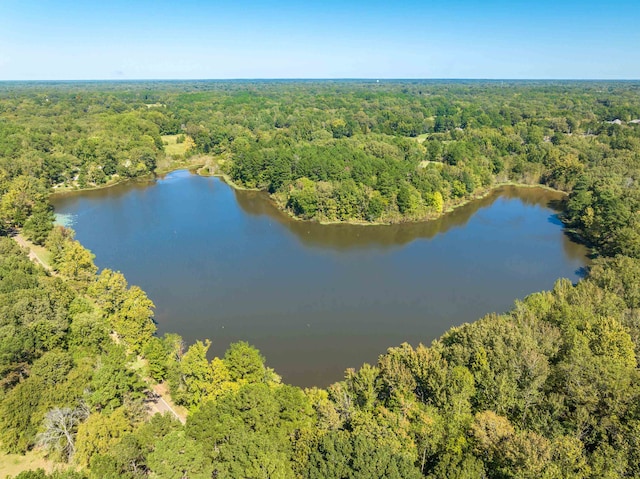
115, 39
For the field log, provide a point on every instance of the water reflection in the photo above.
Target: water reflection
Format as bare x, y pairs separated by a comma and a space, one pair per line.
317, 299
345, 236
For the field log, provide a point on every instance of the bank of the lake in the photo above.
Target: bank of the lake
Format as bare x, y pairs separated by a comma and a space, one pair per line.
317, 299
203, 162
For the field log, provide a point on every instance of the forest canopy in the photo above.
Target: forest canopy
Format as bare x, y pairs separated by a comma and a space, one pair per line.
550, 389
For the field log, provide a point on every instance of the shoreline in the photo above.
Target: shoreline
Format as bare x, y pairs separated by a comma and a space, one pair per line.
120, 181
478, 196
197, 169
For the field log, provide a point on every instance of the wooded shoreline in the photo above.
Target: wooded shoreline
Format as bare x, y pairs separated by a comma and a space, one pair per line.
549, 389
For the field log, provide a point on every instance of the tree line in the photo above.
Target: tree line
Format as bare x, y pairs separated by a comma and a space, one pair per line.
550, 389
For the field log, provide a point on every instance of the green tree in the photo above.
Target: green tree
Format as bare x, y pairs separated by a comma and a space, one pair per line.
133, 321
53, 367
56, 242
99, 434
176, 457
109, 290
156, 357
20, 416
245, 363
24, 194
76, 263
196, 373
303, 200
39, 224
343, 454
113, 381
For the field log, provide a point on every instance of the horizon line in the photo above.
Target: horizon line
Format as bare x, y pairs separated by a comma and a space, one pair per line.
373, 79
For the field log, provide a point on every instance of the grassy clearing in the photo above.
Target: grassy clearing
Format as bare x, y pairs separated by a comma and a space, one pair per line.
41, 254
13, 464
194, 163
422, 138
425, 163
173, 148
139, 365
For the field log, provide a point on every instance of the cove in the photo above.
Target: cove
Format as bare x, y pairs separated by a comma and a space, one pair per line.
317, 299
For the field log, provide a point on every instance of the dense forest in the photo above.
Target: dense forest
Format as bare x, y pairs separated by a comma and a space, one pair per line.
550, 389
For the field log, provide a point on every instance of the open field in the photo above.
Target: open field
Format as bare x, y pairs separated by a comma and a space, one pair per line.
206, 165
172, 147
13, 464
425, 163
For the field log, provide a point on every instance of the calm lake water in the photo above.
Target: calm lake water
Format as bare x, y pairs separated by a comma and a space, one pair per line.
226, 265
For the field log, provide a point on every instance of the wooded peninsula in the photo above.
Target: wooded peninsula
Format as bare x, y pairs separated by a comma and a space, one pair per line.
550, 389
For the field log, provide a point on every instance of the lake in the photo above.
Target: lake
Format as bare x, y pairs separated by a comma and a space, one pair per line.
317, 299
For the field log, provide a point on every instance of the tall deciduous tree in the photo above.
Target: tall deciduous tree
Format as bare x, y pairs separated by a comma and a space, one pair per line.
109, 290
39, 224
113, 381
245, 363
178, 457
76, 262
133, 320
99, 434
56, 242
23, 195
196, 372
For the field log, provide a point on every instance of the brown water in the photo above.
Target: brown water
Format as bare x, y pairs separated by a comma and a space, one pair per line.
227, 265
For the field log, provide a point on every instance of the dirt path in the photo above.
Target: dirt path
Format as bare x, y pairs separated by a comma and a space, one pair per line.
33, 256
159, 402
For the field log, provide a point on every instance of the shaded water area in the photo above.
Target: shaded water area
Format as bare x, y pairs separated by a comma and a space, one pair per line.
317, 299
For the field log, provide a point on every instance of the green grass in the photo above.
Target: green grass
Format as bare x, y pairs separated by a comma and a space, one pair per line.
13, 464
172, 163
425, 163
41, 252
173, 148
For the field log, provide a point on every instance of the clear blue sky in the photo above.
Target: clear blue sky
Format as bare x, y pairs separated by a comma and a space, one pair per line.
115, 39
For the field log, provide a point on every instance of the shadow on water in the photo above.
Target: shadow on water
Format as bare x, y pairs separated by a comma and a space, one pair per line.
555, 220
346, 236
582, 272
316, 299
574, 241
558, 204
120, 189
